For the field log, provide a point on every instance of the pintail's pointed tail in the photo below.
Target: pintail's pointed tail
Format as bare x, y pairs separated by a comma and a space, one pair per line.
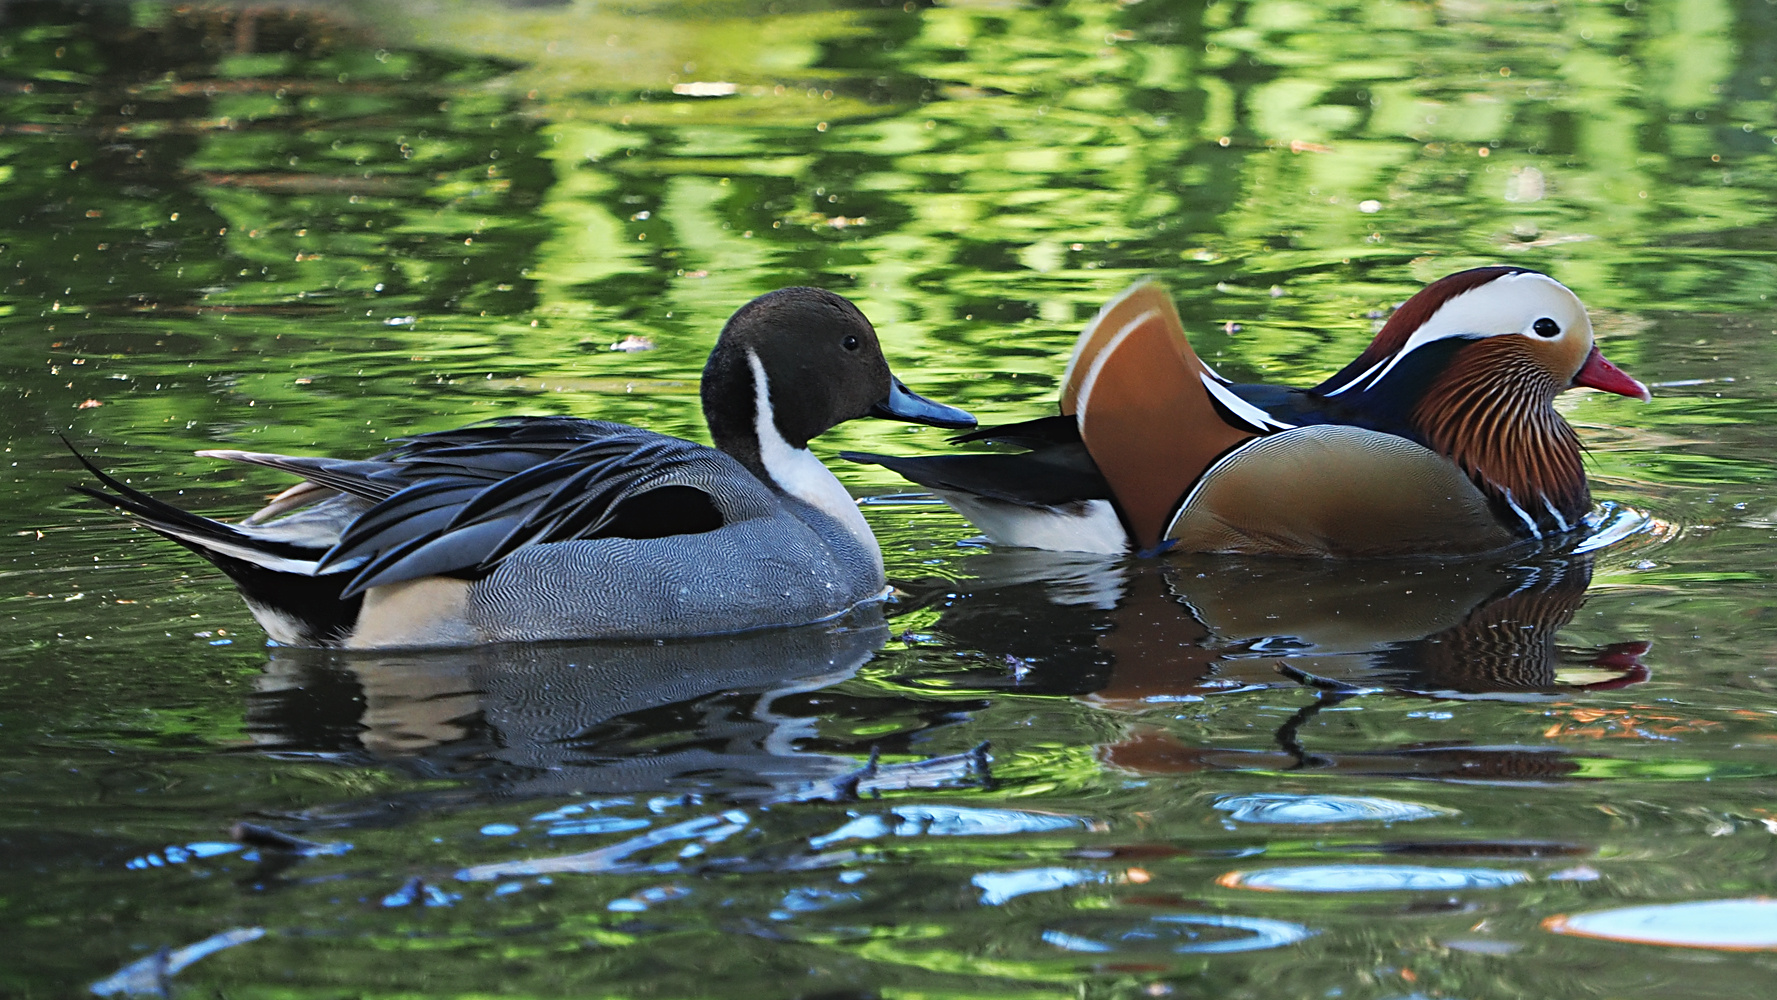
275, 568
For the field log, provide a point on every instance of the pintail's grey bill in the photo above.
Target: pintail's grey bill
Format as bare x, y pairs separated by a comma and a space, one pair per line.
905, 404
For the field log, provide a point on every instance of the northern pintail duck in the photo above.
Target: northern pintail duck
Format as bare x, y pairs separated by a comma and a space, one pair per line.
1440, 438
532, 528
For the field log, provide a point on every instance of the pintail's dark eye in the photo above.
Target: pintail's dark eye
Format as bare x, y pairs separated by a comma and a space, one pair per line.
850, 342
1546, 327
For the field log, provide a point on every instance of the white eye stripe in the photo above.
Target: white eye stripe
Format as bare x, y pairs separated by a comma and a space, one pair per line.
1484, 311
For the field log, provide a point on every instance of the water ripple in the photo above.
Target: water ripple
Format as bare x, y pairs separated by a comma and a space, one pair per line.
148, 976
1310, 809
1183, 933
601, 824
997, 887
1612, 523
175, 854
615, 857
1725, 924
953, 821
1371, 878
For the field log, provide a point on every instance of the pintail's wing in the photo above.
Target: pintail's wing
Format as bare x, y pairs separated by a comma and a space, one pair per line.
459, 502
475, 496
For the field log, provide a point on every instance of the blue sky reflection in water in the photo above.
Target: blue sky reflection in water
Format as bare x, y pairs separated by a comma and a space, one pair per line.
310, 228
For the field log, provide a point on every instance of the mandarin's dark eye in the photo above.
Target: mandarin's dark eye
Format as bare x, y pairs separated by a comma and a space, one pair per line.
850, 342
1546, 327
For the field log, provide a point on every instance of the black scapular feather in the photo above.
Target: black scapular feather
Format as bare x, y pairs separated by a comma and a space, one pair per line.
459, 502
477, 495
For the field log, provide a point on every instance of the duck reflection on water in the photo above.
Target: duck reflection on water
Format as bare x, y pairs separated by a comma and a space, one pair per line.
759, 715
1127, 634
1135, 637
729, 714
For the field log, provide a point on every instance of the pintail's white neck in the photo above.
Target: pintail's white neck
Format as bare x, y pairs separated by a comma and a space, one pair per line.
797, 472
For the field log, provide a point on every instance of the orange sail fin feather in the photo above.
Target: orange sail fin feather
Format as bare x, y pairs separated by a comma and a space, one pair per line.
1441, 437
1138, 299
1143, 411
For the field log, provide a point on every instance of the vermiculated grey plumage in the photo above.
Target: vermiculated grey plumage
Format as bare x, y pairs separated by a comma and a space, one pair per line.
790, 556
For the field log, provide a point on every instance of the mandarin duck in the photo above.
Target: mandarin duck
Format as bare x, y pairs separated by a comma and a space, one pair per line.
538, 528
1441, 438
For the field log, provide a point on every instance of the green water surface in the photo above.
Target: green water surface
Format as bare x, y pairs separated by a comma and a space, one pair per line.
311, 227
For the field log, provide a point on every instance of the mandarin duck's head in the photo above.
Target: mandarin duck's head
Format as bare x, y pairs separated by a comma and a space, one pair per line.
1471, 366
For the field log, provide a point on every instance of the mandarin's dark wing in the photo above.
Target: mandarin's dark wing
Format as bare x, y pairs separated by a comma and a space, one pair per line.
458, 502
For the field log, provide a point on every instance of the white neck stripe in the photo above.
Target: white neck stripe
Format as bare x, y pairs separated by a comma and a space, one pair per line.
797, 472
1254, 417
1360, 377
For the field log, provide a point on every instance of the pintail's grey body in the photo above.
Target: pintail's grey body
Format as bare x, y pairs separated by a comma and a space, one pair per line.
537, 528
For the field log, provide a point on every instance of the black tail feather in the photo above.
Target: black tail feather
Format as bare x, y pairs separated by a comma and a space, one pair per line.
311, 604
1035, 434
1030, 478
